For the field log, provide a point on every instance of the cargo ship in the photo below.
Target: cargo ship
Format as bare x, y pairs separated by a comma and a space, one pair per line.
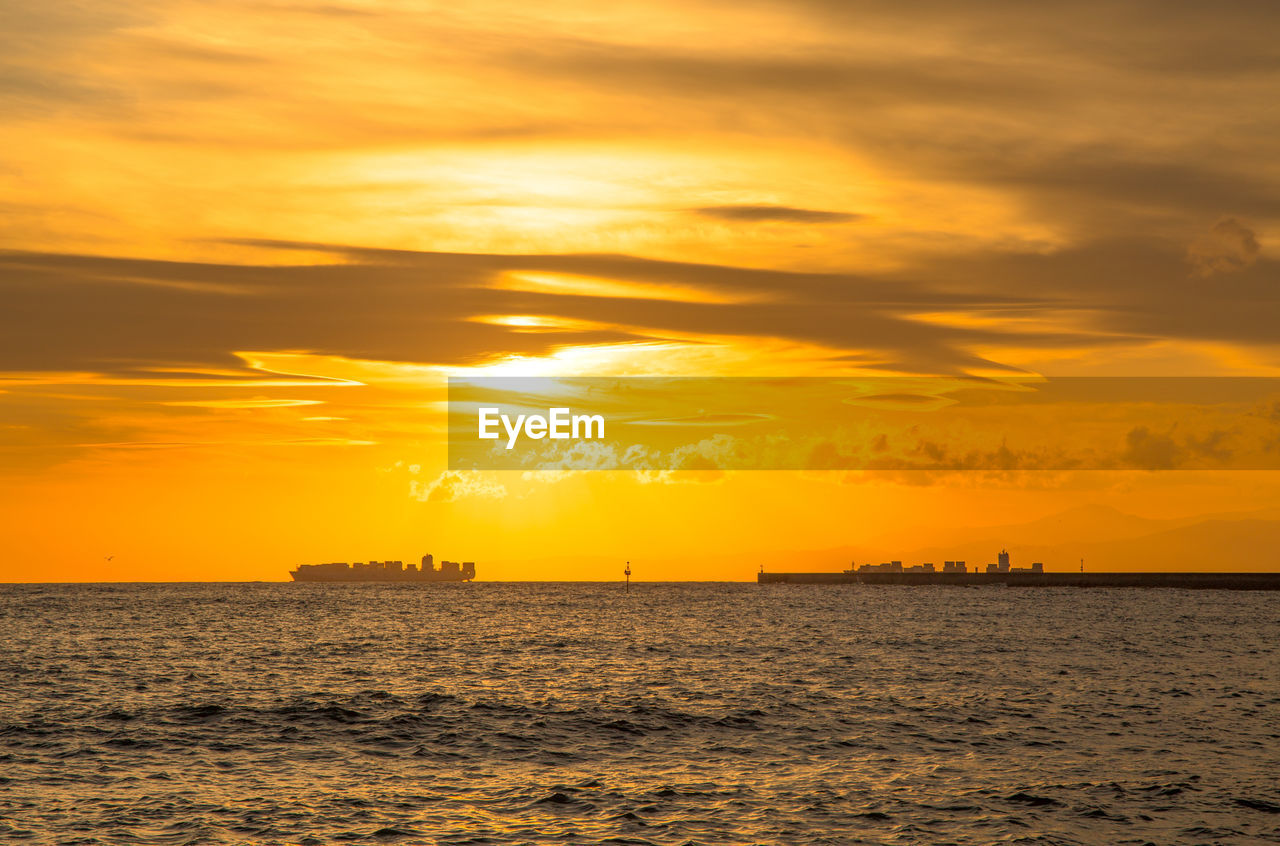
386, 571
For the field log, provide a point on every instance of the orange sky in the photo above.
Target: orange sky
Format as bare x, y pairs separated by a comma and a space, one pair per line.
245, 245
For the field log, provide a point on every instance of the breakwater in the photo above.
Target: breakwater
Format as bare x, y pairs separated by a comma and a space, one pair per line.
1206, 581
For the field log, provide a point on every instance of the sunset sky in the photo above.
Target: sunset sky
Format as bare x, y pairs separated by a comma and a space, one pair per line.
245, 244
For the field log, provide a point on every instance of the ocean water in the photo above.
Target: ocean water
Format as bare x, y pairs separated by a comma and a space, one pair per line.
691, 713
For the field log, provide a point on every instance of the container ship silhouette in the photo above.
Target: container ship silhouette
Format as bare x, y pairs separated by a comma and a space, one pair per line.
386, 571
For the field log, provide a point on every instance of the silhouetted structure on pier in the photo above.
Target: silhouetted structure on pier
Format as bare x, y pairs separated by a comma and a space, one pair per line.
1001, 573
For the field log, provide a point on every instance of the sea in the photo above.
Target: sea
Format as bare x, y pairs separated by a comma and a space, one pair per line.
690, 713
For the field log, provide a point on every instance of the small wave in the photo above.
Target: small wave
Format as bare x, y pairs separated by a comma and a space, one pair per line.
390, 833
1029, 799
198, 713
1259, 805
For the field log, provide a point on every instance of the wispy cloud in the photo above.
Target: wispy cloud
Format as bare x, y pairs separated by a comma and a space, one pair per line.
774, 214
1228, 247
453, 485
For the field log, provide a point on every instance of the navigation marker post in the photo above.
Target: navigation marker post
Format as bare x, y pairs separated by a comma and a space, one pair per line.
627, 573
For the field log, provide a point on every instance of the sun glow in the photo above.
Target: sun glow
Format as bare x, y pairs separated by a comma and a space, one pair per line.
567, 284
539, 323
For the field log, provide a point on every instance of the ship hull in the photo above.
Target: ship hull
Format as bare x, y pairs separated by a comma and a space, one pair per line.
1190, 581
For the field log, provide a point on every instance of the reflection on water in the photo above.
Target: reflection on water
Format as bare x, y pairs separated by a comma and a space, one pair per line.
492, 713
